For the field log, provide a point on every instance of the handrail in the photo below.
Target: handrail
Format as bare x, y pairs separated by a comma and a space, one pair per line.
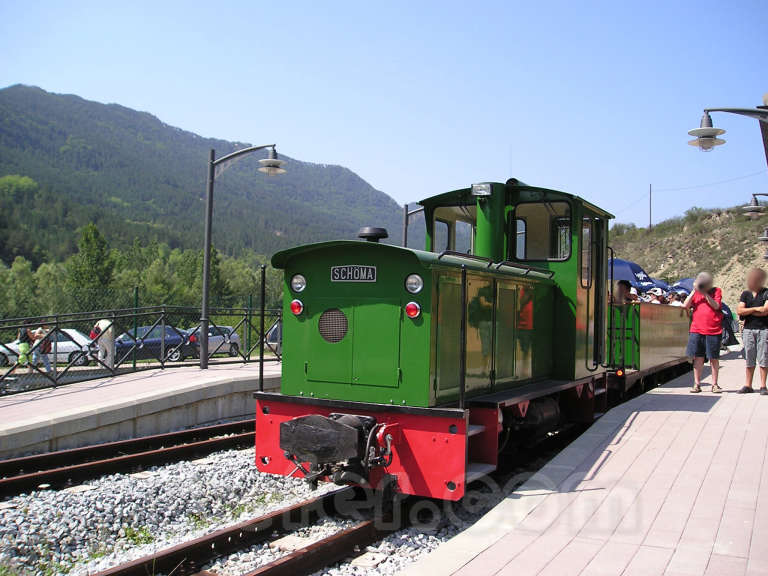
463, 339
120, 312
611, 352
528, 269
464, 255
262, 333
490, 263
111, 358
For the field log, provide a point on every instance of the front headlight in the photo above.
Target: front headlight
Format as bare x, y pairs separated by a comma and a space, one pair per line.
298, 283
481, 190
414, 283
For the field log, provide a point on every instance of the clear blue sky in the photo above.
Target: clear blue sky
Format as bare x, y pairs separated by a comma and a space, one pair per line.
593, 98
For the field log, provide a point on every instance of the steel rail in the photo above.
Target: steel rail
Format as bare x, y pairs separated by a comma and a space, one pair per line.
190, 557
56, 468
323, 553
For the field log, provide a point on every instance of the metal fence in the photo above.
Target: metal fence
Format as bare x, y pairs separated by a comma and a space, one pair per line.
45, 351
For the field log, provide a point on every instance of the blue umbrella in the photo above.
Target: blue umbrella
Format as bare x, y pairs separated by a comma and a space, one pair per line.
661, 284
685, 284
626, 270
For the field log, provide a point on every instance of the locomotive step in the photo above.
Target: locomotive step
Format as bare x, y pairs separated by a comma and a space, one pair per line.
475, 429
477, 470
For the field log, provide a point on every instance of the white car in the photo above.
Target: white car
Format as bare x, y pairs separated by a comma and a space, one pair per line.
223, 340
71, 346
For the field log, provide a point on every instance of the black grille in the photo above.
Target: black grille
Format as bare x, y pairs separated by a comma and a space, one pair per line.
333, 325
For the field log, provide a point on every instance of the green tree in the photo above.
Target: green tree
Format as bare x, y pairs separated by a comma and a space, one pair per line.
23, 289
243, 280
50, 278
90, 272
221, 294
5, 291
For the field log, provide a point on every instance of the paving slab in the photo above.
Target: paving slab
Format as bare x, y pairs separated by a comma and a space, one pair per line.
128, 405
667, 483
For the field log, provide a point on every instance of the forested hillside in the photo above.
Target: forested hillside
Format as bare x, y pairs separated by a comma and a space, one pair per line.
72, 161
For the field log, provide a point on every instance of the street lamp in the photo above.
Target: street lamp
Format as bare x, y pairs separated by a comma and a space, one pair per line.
271, 166
705, 137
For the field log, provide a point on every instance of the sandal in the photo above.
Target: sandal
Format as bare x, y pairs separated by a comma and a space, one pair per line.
695, 389
716, 389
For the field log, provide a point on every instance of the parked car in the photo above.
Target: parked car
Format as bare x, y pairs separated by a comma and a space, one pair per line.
275, 338
223, 340
71, 347
149, 342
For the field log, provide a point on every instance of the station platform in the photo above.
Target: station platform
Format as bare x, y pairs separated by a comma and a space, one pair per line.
667, 483
128, 405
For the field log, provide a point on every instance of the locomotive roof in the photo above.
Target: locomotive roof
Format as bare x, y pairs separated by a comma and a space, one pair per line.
426, 259
464, 195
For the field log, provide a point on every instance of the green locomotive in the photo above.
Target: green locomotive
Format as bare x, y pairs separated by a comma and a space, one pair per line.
413, 366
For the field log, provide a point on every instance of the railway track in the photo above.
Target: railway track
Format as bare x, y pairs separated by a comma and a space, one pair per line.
55, 469
190, 557
318, 555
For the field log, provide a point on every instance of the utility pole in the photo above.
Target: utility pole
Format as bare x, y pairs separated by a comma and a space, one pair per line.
650, 207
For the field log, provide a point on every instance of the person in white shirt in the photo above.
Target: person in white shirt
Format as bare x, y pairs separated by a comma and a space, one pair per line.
104, 335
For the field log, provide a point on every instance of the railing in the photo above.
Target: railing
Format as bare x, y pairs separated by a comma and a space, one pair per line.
67, 348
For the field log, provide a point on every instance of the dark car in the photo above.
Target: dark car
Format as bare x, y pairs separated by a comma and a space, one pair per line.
150, 343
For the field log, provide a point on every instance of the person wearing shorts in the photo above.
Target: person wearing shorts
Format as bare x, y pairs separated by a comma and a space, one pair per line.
753, 310
706, 328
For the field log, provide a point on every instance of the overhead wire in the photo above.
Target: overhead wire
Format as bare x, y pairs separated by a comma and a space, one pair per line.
693, 187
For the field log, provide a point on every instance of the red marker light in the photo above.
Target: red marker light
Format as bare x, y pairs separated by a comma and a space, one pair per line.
297, 307
619, 372
412, 310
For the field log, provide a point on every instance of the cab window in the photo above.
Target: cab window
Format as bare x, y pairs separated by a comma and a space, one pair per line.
542, 231
454, 229
464, 237
440, 238
519, 239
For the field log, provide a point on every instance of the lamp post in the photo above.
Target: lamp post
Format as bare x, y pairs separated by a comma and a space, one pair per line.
706, 135
706, 138
270, 166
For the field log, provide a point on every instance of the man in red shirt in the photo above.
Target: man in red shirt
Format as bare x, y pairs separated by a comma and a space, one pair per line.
706, 328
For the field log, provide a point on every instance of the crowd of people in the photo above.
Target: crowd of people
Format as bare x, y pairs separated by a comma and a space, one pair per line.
711, 325
625, 293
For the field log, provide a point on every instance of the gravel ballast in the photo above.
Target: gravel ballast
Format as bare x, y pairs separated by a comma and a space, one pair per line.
432, 523
121, 517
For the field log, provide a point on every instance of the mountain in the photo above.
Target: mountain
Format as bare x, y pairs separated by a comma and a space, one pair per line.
137, 177
721, 241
